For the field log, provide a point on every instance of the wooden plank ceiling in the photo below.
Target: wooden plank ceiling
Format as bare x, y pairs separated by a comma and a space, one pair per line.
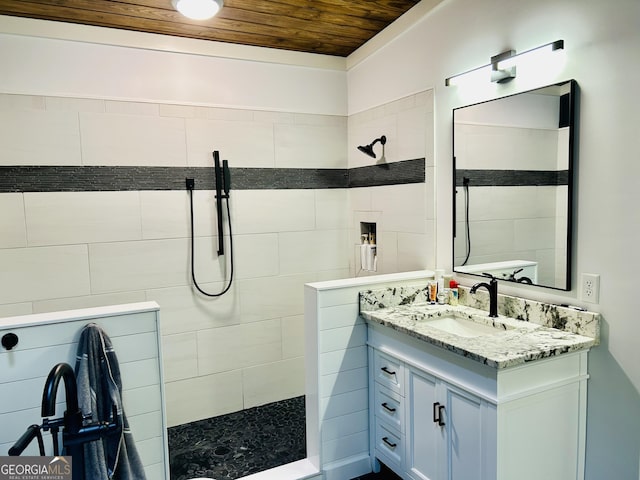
331, 27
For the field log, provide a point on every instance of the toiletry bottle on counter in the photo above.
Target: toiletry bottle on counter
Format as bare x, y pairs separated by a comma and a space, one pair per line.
439, 276
433, 292
453, 293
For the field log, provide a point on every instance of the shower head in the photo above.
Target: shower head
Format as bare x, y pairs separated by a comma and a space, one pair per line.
368, 149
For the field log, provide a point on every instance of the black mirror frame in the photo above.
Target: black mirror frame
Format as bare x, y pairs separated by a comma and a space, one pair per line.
572, 120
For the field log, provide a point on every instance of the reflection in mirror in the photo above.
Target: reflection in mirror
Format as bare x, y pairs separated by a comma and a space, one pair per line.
513, 163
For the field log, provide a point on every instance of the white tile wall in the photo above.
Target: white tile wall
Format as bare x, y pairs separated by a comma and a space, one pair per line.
13, 231
180, 356
123, 266
413, 251
165, 214
273, 297
87, 301
312, 251
268, 211
310, 146
203, 397
402, 207
37, 137
274, 381
114, 139
21, 102
292, 336
74, 104
15, 309
183, 311
256, 255
43, 273
244, 144
500, 147
505, 225
239, 346
330, 209
131, 108
62, 218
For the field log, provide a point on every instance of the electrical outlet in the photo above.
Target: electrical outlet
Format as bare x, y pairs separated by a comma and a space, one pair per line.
590, 287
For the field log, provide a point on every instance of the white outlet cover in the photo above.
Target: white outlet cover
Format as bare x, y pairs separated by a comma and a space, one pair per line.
590, 287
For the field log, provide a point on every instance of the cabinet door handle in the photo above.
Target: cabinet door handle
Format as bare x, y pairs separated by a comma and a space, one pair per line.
391, 444
438, 411
387, 371
388, 408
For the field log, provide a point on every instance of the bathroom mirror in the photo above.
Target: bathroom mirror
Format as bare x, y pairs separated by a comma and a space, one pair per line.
513, 170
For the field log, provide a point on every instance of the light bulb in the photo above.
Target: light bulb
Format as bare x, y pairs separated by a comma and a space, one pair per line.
198, 9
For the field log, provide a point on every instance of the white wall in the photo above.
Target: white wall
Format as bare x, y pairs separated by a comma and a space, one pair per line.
600, 39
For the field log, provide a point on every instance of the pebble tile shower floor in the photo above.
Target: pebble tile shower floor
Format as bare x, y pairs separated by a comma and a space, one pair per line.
232, 446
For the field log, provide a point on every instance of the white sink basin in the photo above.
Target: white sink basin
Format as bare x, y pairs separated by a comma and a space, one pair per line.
464, 327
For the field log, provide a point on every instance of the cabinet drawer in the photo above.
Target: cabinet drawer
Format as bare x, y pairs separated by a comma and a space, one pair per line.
389, 407
389, 445
388, 372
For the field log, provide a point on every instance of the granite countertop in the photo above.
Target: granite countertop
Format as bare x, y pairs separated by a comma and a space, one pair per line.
511, 342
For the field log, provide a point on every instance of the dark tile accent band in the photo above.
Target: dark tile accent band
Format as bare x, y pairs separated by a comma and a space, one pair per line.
512, 178
117, 178
395, 173
288, 178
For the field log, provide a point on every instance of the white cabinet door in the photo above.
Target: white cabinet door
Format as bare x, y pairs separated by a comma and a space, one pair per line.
424, 452
445, 430
464, 425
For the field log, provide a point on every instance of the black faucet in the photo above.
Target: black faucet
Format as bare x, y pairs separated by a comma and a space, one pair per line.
492, 288
75, 433
72, 420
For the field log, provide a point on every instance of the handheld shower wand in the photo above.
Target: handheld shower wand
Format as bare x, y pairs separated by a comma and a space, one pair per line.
219, 179
223, 186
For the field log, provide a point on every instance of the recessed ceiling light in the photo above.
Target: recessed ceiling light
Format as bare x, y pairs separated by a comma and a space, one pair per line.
198, 9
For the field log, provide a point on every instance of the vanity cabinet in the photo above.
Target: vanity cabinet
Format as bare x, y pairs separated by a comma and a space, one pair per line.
436, 415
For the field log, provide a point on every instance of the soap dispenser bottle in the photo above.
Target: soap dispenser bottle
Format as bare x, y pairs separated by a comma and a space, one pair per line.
453, 293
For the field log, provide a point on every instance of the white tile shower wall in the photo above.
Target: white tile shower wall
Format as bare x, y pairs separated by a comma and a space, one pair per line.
65, 250
513, 223
13, 232
509, 226
404, 214
38, 137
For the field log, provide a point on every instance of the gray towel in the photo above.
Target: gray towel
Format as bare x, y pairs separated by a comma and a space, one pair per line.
99, 390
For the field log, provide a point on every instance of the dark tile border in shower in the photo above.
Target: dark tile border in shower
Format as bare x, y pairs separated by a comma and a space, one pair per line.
121, 178
512, 178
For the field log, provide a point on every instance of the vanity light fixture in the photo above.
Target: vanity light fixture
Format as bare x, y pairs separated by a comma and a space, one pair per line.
198, 9
503, 65
368, 149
